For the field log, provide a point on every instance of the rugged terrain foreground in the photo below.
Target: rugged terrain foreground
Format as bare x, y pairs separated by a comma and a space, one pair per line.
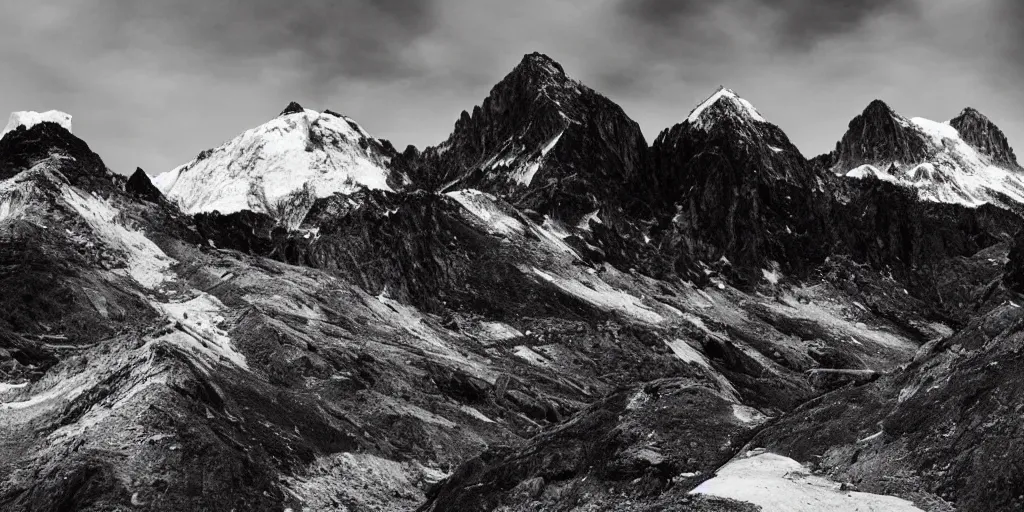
543, 312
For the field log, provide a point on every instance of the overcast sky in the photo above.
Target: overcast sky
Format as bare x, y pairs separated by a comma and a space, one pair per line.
151, 83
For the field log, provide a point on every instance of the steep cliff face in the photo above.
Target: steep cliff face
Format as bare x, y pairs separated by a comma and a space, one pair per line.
981, 133
739, 188
879, 136
545, 142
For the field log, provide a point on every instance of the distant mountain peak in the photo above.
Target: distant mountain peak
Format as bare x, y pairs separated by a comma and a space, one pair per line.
723, 102
984, 136
28, 119
280, 167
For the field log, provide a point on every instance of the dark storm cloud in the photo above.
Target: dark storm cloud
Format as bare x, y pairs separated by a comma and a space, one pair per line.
356, 39
798, 24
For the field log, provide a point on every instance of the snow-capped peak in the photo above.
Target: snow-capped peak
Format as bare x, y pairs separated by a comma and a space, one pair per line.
279, 167
699, 117
28, 119
952, 170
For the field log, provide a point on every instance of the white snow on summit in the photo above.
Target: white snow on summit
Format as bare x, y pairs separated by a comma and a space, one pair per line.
698, 119
28, 119
270, 167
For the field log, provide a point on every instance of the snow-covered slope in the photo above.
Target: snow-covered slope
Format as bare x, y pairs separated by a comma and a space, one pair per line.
948, 170
279, 167
29, 119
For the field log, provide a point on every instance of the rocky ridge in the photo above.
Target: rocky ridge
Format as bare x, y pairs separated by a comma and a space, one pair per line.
467, 341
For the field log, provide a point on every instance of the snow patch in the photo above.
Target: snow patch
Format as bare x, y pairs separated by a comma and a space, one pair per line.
28, 119
777, 484
870, 171
598, 294
65, 391
485, 207
687, 353
746, 414
773, 275
529, 355
147, 264
475, 413
588, 218
497, 331
5, 387
198, 320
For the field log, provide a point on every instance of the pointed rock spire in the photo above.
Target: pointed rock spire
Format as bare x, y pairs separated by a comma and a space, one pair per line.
140, 185
723, 103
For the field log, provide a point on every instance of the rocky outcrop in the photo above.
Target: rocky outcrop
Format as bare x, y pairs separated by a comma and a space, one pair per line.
545, 142
878, 136
23, 147
140, 185
292, 108
981, 133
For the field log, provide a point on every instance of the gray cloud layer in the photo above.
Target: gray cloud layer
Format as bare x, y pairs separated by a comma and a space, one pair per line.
152, 83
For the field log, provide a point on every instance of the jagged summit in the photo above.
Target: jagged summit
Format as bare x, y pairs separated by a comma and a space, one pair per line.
537, 62
965, 161
139, 184
292, 108
878, 135
982, 134
724, 102
28, 119
737, 184
543, 137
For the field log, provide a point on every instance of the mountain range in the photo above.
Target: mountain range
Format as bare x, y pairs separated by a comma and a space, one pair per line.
541, 312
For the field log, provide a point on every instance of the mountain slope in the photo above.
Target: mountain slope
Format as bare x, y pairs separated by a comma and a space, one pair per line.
631, 329
279, 167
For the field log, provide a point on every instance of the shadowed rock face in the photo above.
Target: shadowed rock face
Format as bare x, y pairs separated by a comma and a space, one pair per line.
140, 185
292, 108
739, 189
546, 143
879, 135
985, 136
